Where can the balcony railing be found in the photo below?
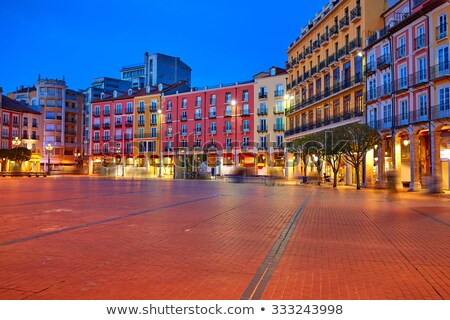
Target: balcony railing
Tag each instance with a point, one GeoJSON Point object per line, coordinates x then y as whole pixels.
{"type": "Point", "coordinates": [332, 59]}
{"type": "Point", "coordinates": [384, 90]}
{"type": "Point", "coordinates": [440, 111]}
{"type": "Point", "coordinates": [370, 68]}
{"type": "Point", "coordinates": [401, 84]}
{"type": "Point", "coordinates": [277, 110]}
{"type": "Point", "coordinates": [262, 111]}
{"type": "Point", "coordinates": [419, 42]}
{"type": "Point", "coordinates": [324, 38]}
{"type": "Point", "coordinates": [344, 23]}
{"type": "Point", "coordinates": [278, 127]}
{"type": "Point", "coordinates": [401, 52]}
{"type": "Point", "coordinates": [278, 93]}
{"type": "Point", "coordinates": [355, 44]}
{"type": "Point", "coordinates": [419, 77]}
{"type": "Point", "coordinates": [106, 125]}
{"type": "Point", "coordinates": [96, 126]}
{"type": "Point", "coordinates": [262, 95]}
{"type": "Point", "coordinates": [308, 51]}
{"type": "Point", "coordinates": [129, 123]}
{"type": "Point", "coordinates": [384, 61]}
{"type": "Point", "coordinates": [106, 138]}
{"type": "Point", "coordinates": [198, 117]}
{"type": "Point", "coordinates": [316, 45]}
{"type": "Point", "coordinates": [343, 52]}
{"type": "Point", "coordinates": [355, 14]}
{"type": "Point", "coordinates": [440, 70]}
{"type": "Point", "coordinates": [327, 121]}
{"type": "Point", "coordinates": [261, 129]}
{"type": "Point", "coordinates": [441, 32]}
{"type": "Point", "coordinates": [334, 31]}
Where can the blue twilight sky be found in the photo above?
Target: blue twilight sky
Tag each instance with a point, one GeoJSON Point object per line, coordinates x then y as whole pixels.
{"type": "Point", "coordinates": [222, 41]}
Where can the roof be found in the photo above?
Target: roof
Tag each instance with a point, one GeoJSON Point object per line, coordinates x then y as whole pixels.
{"type": "Point", "coordinates": [13, 105]}
{"type": "Point", "coordinates": [25, 89]}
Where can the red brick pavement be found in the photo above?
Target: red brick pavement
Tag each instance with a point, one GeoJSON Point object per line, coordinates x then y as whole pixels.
{"type": "Point", "coordinates": [81, 238]}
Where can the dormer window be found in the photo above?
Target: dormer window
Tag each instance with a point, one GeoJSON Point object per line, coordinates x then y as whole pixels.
{"type": "Point", "coordinates": [102, 95]}
{"type": "Point", "coordinates": [160, 87]}
{"type": "Point", "coordinates": [272, 71]}
{"type": "Point", "coordinates": [115, 94]}
{"type": "Point", "coordinates": [130, 92]}
{"type": "Point", "coordinates": [148, 89]}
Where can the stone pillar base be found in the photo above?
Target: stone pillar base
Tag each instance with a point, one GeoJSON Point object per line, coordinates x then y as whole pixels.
{"type": "Point", "coordinates": [416, 186]}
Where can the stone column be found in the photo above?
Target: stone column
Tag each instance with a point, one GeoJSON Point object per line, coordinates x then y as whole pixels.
{"type": "Point", "coordinates": [414, 185]}
{"type": "Point", "coordinates": [435, 146]}
{"type": "Point", "coordinates": [381, 161]}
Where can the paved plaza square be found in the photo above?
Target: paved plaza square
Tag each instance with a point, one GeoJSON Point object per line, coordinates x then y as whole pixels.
{"type": "Point", "coordinates": [92, 238]}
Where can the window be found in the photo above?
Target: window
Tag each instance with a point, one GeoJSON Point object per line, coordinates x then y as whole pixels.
{"type": "Point", "coordinates": [420, 39]}
{"type": "Point", "coordinates": [228, 127]}
{"type": "Point", "coordinates": [372, 94]}
{"type": "Point", "coordinates": [245, 95]}
{"type": "Point", "coordinates": [184, 103]}
{"type": "Point", "coordinates": [246, 125]}
{"type": "Point", "coordinates": [212, 112]}
{"type": "Point", "coordinates": [387, 83]}
{"type": "Point", "coordinates": [141, 106]}
{"type": "Point", "coordinates": [228, 143]}
{"type": "Point", "coordinates": [262, 142]}
{"type": "Point", "coordinates": [262, 92]}
{"type": "Point", "coordinates": [153, 105]}
{"type": "Point", "coordinates": [279, 91]}
{"type": "Point", "coordinates": [441, 30]}
{"type": "Point", "coordinates": [97, 111]}
{"type": "Point", "coordinates": [262, 125]}
{"type": "Point", "coordinates": [169, 131]}
{"type": "Point", "coordinates": [198, 143]}
{"type": "Point", "coordinates": [184, 143]}
{"type": "Point", "coordinates": [212, 128]}
{"type": "Point", "coordinates": [245, 142]}
{"type": "Point", "coordinates": [227, 97]}
{"type": "Point", "coordinates": [387, 113]}
{"type": "Point", "coordinates": [169, 117]}
{"type": "Point", "coordinates": [402, 82]}
{"type": "Point", "coordinates": [184, 130]}
{"type": "Point", "coordinates": [228, 111]}
{"type": "Point", "coordinates": [401, 50]}
{"type": "Point", "coordinates": [119, 108]}
{"type": "Point", "coordinates": [154, 119]}
{"type": "Point", "coordinates": [245, 110]}
{"type": "Point", "coordinates": [198, 101]}
{"type": "Point", "coordinates": [169, 105]}
{"type": "Point", "coordinates": [279, 142]}
{"type": "Point", "coordinates": [423, 105]}
{"type": "Point", "coordinates": [443, 67]}
{"type": "Point", "coordinates": [184, 116]}
{"type": "Point", "coordinates": [198, 114]}
{"type": "Point", "coordinates": [212, 99]}
{"type": "Point", "coordinates": [49, 115]}
{"type": "Point", "coordinates": [279, 126]}
{"type": "Point", "coordinates": [198, 128]}
{"type": "Point", "coordinates": [106, 110]}
{"type": "Point", "coordinates": [404, 110]}
{"type": "Point", "coordinates": [141, 120]}
{"type": "Point", "coordinates": [129, 107]}
{"type": "Point", "coordinates": [444, 99]}
{"type": "Point", "coordinates": [279, 107]}
{"type": "Point", "coordinates": [422, 66]}
{"type": "Point", "coordinates": [154, 132]}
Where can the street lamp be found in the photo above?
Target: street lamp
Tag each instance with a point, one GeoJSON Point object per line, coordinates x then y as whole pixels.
{"type": "Point", "coordinates": [77, 156]}
{"type": "Point", "coordinates": [16, 142]}
{"type": "Point", "coordinates": [49, 148]}
{"type": "Point", "coordinates": [160, 142]}
{"type": "Point", "coordinates": [233, 103]}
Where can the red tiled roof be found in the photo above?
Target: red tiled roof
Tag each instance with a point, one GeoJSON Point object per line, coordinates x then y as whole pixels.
{"type": "Point", "coordinates": [33, 88]}
{"type": "Point", "coordinates": [13, 105]}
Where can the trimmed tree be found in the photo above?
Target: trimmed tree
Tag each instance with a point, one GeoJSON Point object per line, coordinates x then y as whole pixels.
{"type": "Point", "coordinates": [334, 154]}
{"type": "Point", "coordinates": [20, 155]}
{"type": "Point", "coordinates": [360, 139]}
{"type": "Point", "coordinates": [4, 156]}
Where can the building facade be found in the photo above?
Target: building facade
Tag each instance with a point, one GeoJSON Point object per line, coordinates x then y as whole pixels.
{"type": "Point", "coordinates": [325, 72]}
{"type": "Point", "coordinates": [19, 127]}
{"type": "Point", "coordinates": [61, 122]}
{"type": "Point", "coordinates": [408, 92]}
{"type": "Point", "coordinates": [270, 104]}
{"type": "Point", "coordinates": [210, 131]}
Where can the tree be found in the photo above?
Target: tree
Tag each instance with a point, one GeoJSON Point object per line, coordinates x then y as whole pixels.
{"type": "Point", "coordinates": [20, 155]}
{"type": "Point", "coordinates": [360, 139]}
{"type": "Point", "coordinates": [296, 147]}
{"type": "Point", "coordinates": [4, 156]}
{"type": "Point", "coordinates": [334, 145]}
{"type": "Point", "coordinates": [315, 149]}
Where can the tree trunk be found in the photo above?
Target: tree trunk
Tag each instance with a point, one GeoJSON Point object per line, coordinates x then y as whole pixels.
{"type": "Point", "coordinates": [358, 185]}
{"type": "Point", "coordinates": [335, 173]}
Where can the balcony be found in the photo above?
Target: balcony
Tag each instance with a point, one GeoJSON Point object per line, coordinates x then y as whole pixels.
{"type": "Point", "coordinates": [344, 23]}
{"type": "Point", "coordinates": [262, 112]}
{"type": "Point", "coordinates": [316, 45]}
{"type": "Point", "coordinates": [227, 130]}
{"type": "Point", "coordinates": [277, 110]}
{"type": "Point", "coordinates": [301, 57]}
{"type": "Point", "coordinates": [118, 124]}
{"type": "Point", "coordinates": [384, 90]}
{"type": "Point", "coordinates": [96, 114]}
{"type": "Point", "coordinates": [313, 71]}
{"type": "Point", "coordinates": [371, 94]}
{"type": "Point", "coordinates": [106, 113]}
{"type": "Point", "coordinates": [355, 45]}
{"type": "Point", "coordinates": [245, 113]}
{"type": "Point", "coordinates": [418, 115]}
{"type": "Point", "coordinates": [106, 138]}
{"type": "Point", "coordinates": [129, 124]}
{"type": "Point", "coordinates": [401, 52]}
{"type": "Point", "coordinates": [401, 84]}
{"type": "Point", "coordinates": [278, 127]}
{"type": "Point", "coordinates": [96, 126]}
{"type": "Point", "coordinates": [141, 110]}
{"type": "Point", "coordinates": [261, 129]}
{"type": "Point", "coordinates": [384, 61]}
{"type": "Point", "coordinates": [324, 38]}
{"type": "Point", "coordinates": [355, 14]}
{"type": "Point", "coordinates": [288, 65]}
{"type": "Point", "coordinates": [440, 70]}
{"type": "Point", "coordinates": [128, 136]}
{"type": "Point", "coordinates": [440, 111]}
{"type": "Point", "coordinates": [401, 120]}
{"type": "Point", "coordinates": [262, 95]}
{"type": "Point", "coordinates": [306, 75]}
{"type": "Point", "coordinates": [106, 125]}
{"type": "Point", "coordinates": [334, 31]}
{"type": "Point", "coordinates": [198, 117]}
{"type": "Point", "coordinates": [419, 42]}
{"type": "Point", "coordinates": [96, 139]}
{"type": "Point", "coordinates": [323, 65]}
{"type": "Point", "coordinates": [278, 93]}
{"type": "Point", "coordinates": [212, 131]}
{"type": "Point", "coordinates": [332, 60]}
{"type": "Point", "coordinates": [183, 118]}
{"type": "Point", "coordinates": [343, 53]}
{"type": "Point", "coordinates": [198, 132]}
{"type": "Point", "coordinates": [418, 78]}
{"type": "Point", "coordinates": [441, 32]}
{"type": "Point", "coordinates": [212, 115]}
{"type": "Point", "coordinates": [370, 68]}
{"type": "Point", "coordinates": [308, 52]}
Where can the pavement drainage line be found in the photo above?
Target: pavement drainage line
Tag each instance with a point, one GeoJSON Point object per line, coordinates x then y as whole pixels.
{"type": "Point", "coordinates": [380, 230]}
{"type": "Point", "coordinates": [90, 224]}
{"type": "Point", "coordinates": [430, 217]}
{"type": "Point", "coordinates": [262, 277]}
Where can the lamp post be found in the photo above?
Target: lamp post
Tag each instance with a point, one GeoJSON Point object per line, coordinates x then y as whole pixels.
{"type": "Point", "coordinates": [233, 104]}
{"type": "Point", "coordinates": [77, 156]}
{"type": "Point", "coordinates": [16, 142]}
{"type": "Point", "coordinates": [160, 143]}
{"type": "Point", "coordinates": [49, 148]}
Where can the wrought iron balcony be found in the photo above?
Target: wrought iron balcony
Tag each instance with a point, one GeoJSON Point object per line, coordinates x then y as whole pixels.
{"type": "Point", "coordinates": [441, 32]}
{"type": "Point", "coordinates": [440, 111]}
{"type": "Point", "coordinates": [324, 38]}
{"type": "Point", "coordinates": [334, 31]}
{"type": "Point", "coordinates": [262, 111]}
{"type": "Point", "coordinates": [419, 42]}
{"type": "Point", "coordinates": [355, 14]}
{"type": "Point", "coordinates": [401, 84]}
{"type": "Point", "coordinates": [384, 61]}
{"type": "Point", "coordinates": [419, 77]}
{"type": "Point", "coordinates": [401, 52]}
{"type": "Point", "coordinates": [344, 23]}
{"type": "Point", "coordinates": [370, 68]}
{"type": "Point", "coordinates": [440, 70]}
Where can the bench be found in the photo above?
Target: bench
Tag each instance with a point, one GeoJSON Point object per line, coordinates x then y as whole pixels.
{"type": "Point", "coordinates": [22, 174]}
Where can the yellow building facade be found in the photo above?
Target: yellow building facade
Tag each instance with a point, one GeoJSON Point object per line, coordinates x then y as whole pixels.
{"type": "Point", "coordinates": [326, 84]}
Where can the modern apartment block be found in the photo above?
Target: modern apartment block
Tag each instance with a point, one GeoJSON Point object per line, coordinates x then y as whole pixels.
{"type": "Point", "coordinates": [270, 103]}
{"type": "Point", "coordinates": [157, 68]}
{"type": "Point", "coordinates": [408, 92]}
{"type": "Point", "coordinates": [61, 121]}
{"type": "Point", "coordinates": [210, 130]}
{"type": "Point", "coordinates": [19, 128]}
{"type": "Point", "coordinates": [325, 71]}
